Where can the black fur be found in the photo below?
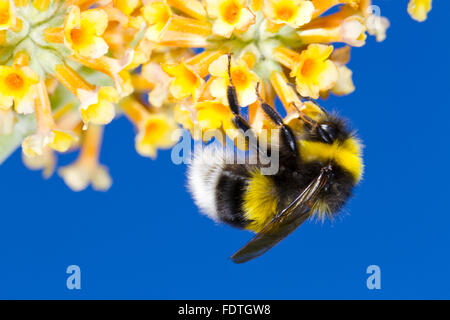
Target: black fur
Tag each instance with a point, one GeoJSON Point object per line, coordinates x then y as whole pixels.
{"type": "Point", "coordinates": [230, 191]}
{"type": "Point", "coordinates": [294, 175]}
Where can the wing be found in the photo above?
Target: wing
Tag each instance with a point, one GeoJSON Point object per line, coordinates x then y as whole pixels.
{"type": "Point", "coordinates": [285, 222]}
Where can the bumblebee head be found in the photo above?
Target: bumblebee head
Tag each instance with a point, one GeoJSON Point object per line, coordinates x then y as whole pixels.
{"type": "Point", "coordinates": [328, 140]}
{"type": "Point", "coordinates": [328, 129]}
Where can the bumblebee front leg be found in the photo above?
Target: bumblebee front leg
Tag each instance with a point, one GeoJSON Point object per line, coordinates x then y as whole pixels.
{"type": "Point", "coordinates": [238, 120]}
{"type": "Point", "coordinates": [233, 103]}
{"type": "Point", "coordinates": [287, 136]}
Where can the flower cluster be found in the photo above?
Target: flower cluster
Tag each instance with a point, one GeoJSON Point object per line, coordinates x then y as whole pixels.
{"type": "Point", "coordinates": [67, 68]}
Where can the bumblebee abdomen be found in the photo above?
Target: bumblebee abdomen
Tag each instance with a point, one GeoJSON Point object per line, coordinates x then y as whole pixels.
{"type": "Point", "coordinates": [260, 201]}
{"type": "Point", "coordinates": [235, 194]}
{"type": "Point", "coordinates": [218, 187]}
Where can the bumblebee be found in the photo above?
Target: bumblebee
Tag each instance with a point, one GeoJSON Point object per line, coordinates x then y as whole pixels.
{"type": "Point", "coordinates": [319, 166]}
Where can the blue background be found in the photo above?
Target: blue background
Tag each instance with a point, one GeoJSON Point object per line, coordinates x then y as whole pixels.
{"type": "Point", "coordinates": [145, 239]}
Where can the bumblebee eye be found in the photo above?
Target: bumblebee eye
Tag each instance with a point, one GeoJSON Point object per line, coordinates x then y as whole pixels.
{"type": "Point", "coordinates": [327, 132]}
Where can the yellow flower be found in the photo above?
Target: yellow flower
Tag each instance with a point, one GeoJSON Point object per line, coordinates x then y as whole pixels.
{"type": "Point", "coordinates": [294, 13]}
{"type": "Point", "coordinates": [97, 107]}
{"type": "Point", "coordinates": [58, 140]}
{"type": "Point", "coordinates": [285, 92]}
{"type": "Point", "coordinates": [46, 161]}
{"type": "Point", "coordinates": [79, 176]}
{"type": "Point", "coordinates": [157, 14]}
{"type": "Point", "coordinates": [7, 14]}
{"type": "Point", "coordinates": [47, 135]}
{"type": "Point", "coordinates": [418, 9]}
{"type": "Point", "coordinates": [214, 119]}
{"type": "Point", "coordinates": [126, 6]}
{"type": "Point", "coordinates": [86, 169]}
{"type": "Point", "coordinates": [343, 26]}
{"type": "Point", "coordinates": [377, 26]}
{"type": "Point", "coordinates": [312, 69]}
{"type": "Point", "coordinates": [188, 74]}
{"type": "Point", "coordinates": [17, 86]}
{"type": "Point", "coordinates": [344, 84]}
{"type": "Point", "coordinates": [96, 104]}
{"type": "Point", "coordinates": [158, 81]}
{"type": "Point", "coordinates": [183, 114]}
{"type": "Point", "coordinates": [243, 79]}
{"type": "Point", "coordinates": [155, 130]}
{"type": "Point", "coordinates": [83, 31]}
{"type": "Point", "coordinates": [322, 6]}
{"type": "Point", "coordinates": [229, 15]}
{"type": "Point", "coordinates": [186, 81]}
{"type": "Point", "coordinates": [116, 69]}
{"type": "Point", "coordinates": [213, 115]}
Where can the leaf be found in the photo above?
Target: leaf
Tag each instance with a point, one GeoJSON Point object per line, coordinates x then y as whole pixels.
{"type": "Point", "coordinates": [25, 126]}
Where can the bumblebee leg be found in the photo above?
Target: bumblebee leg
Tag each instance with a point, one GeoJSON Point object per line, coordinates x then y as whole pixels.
{"type": "Point", "coordinates": [238, 121]}
{"type": "Point", "coordinates": [309, 99]}
{"type": "Point", "coordinates": [287, 135]}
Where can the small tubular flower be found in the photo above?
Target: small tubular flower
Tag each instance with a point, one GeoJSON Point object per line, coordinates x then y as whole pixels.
{"type": "Point", "coordinates": [83, 31]}
{"type": "Point", "coordinates": [17, 87]}
{"type": "Point", "coordinates": [344, 84]}
{"type": "Point", "coordinates": [45, 162]}
{"type": "Point", "coordinates": [321, 6]}
{"type": "Point", "coordinates": [229, 16]}
{"type": "Point", "coordinates": [155, 130]}
{"type": "Point", "coordinates": [156, 80]}
{"type": "Point", "coordinates": [86, 170]}
{"type": "Point", "coordinates": [294, 13]}
{"type": "Point", "coordinates": [97, 107]}
{"type": "Point", "coordinates": [7, 14]}
{"type": "Point", "coordinates": [186, 81]}
{"type": "Point", "coordinates": [188, 75]}
{"type": "Point", "coordinates": [242, 77]}
{"type": "Point", "coordinates": [48, 134]}
{"type": "Point", "coordinates": [126, 6]}
{"type": "Point", "coordinates": [345, 26]}
{"type": "Point", "coordinates": [214, 115]}
{"type": "Point", "coordinates": [419, 9]}
{"type": "Point", "coordinates": [157, 14]}
{"type": "Point", "coordinates": [312, 69]}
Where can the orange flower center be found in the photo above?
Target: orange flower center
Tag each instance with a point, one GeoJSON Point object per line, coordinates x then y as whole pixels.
{"type": "Point", "coordinates": [231, 12]}
{"type": "Point", "coordinates": [240, 78]}
{"type": "Point", "coordinates": [154, 130]}
{"type": "Point", "coordinates": [285, 12]}
{"type": "Point", "coordinates": [190, 77]}
{"type": "Point", "coordinates": [309, 68]}
{"type": "Point", "coordinates": [77, 35]}
{"type": "Point", "coordinates": [14, 81]}
{"type": "Point", "coordinates": [4, 17]}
